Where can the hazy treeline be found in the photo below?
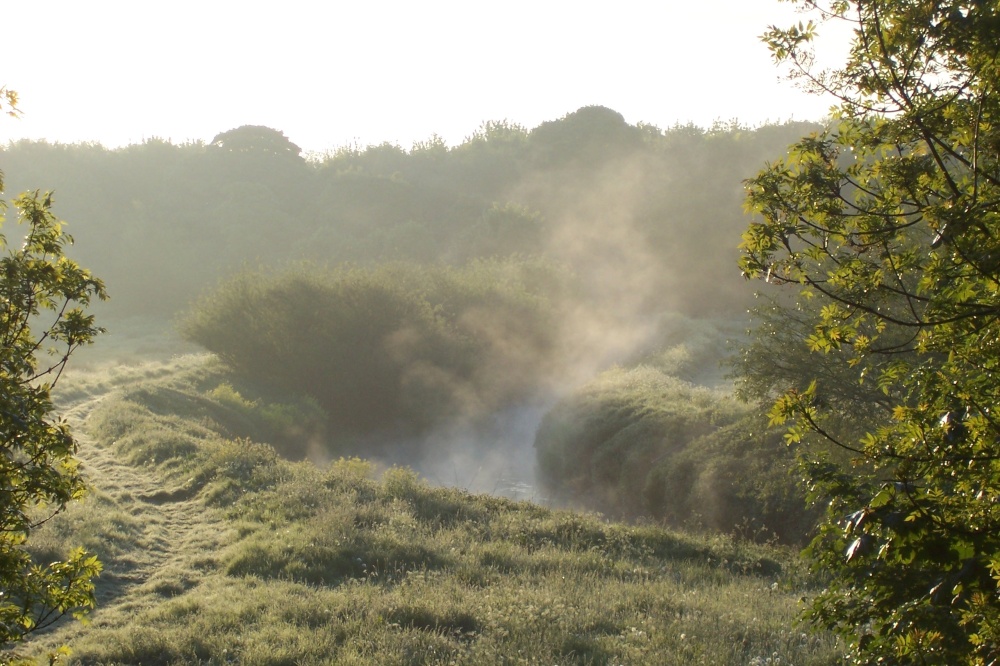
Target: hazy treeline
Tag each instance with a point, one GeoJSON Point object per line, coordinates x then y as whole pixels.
{"type": "Point", "coordinates": [649, 218]}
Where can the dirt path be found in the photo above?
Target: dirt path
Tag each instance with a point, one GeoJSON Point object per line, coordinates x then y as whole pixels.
{"type": "Point", "coordinates": [158, 542]}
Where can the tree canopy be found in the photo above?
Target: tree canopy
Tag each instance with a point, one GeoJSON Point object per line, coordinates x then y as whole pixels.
{"type": "Point", "coordinates": [256, 139]}
{"type": "Point", "coordinates": [888, 224]}
{"type": "Point", "coordinates": [39, 286]}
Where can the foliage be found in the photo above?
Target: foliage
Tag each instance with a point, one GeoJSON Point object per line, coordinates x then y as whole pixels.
{"type": "Point", "coordinates": [256, 139]}
{"type": "Point", "coordinates": [392, 350]}
{"type": "Point", "coordinates": [773, 360]}
{"type": "Point", "coordinates": [601, 443]}
{"type": "Point", "coordinates": [592, 133]}
{"type": "Point", "coordinates": [640, 442]}
{"type": "Point", "coordinates": [8, 99]}
{"type": "Point", "coordinates": [889, 220]}
{"type": "Point", "coordinates": [651, 207]}
{"type": "Point", "coordinates": [39, 287]}
{"type": "Point", "coordinates": [739, 479]}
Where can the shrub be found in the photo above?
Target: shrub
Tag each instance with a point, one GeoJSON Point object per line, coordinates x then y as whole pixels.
{"type": "Point", "coordinates": [396, 349]}
{"type": "Point", "coordinates": [638, 442]}
{"type": "Point", "coordinates": [740, 478]}
{"type": "Point", "coordinates": [598, 445]}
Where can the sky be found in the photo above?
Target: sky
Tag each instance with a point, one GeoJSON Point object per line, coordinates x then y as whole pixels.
{"type": "Point", "coordinates": [330, 73]}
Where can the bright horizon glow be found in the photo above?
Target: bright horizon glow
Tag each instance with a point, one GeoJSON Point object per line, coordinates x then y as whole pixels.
{"type": "Point", "coordinates": [335, 74]}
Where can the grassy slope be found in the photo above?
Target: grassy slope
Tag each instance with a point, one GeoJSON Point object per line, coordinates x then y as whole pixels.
{"type": "Point", "coordinates": [217, 551]}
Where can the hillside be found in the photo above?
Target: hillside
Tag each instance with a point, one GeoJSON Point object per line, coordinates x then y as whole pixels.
{"type": "Point", "coordinates": [217, 550]}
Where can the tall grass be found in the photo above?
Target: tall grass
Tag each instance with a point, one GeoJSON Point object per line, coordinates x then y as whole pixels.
{"type": "Point", "coordinates": [600, 443]}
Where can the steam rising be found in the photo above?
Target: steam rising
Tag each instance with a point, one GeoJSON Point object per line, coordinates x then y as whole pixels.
{"type": "Point", "coordinates": [618, 312]}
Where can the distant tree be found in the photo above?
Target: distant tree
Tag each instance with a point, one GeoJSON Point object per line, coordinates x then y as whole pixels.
{"type": "Point", "coordinates": [889, 220]}
{"type": "Point", "coordinates": [39, 475]}
{"type": "Point", "coordinates": [498, 131]}
{"type": "Point", "coordinates": [433, 148]}
{"type": "Point", "coordinates": [503, 230]}
{"type": "Point", "coordinates": [591, 133]}
{"type": "Point", "coordinates": [256, 139]}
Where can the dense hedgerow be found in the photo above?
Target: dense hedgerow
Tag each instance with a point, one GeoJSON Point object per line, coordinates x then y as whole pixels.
{"type": "Point", "coordinates": [601, 442]}
{"type": "Point", "coordinates": [741, 478]}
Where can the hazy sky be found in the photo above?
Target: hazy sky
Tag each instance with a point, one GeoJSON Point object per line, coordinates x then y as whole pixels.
{"type": "Point", "coordinates": [330, 73]}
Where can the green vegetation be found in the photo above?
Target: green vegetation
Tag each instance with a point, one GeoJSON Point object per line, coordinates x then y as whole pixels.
{"type": "Point", "coordinates": [218, 550]}
{"type": "Point", "coordinates": [641, 442]}
{"type": "Point", "coordinates": [578, 276]}
{"type": "Point", "coordinates": [412, 299]}
{"type": "Point", "coordinates": [392, 351]}
{"type": "Point", "coordinates": [428, 306]}
{"type": "Point", "coordinates": [605, 439]}
{"type": "Point", "coordinates": [887, 221]}
{"type": "Point", "coordinates": [42, 293]}
{"type": "Point", "coordinates": [648, 214]}
{"type": "Point", "coordinates": [450, 286]}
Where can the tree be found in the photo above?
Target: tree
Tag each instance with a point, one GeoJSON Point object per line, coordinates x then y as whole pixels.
{"type": "Point", "coordinates": [589, 134]}
{"type": "Point", "coordinates": [39, 286]}
{"type": "Point", "coordinates": [256, 140]}
{"type": "Point", "coordinates": [889, 220]}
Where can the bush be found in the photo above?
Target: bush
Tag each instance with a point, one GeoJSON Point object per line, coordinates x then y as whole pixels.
{"type": "Point", "coordinates": [393, 350]}
{"type": "Point", "coordinates": [740, 478]}
{"type": "Point", "coordinates": [641, 443]}
{"type": "Point", "coordinates": [599, 445]}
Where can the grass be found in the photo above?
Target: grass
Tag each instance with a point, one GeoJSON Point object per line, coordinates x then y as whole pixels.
{"type": "Point", "coordinates": [217, 551]}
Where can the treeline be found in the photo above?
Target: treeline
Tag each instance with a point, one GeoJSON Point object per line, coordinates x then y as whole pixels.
{"type": "Point", "coordinates": [658, 211]}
